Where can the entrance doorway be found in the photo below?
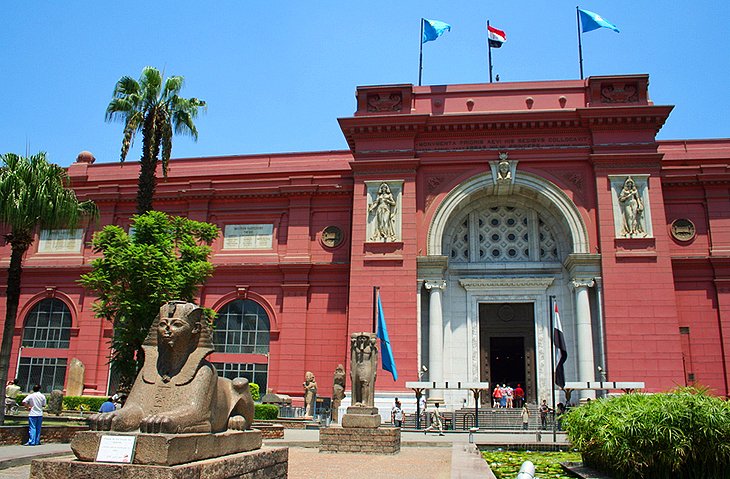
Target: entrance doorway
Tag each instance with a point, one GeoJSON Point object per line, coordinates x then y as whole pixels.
{"type": "Point", "coordinates": [507, 360]}
{"type": "Point", "coordinates": [507, 346]}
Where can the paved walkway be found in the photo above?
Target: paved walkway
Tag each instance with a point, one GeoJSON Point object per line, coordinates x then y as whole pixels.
{"type": "Point", "coordinates": [433, 456]}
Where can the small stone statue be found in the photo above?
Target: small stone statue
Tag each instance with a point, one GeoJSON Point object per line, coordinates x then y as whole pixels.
{"type": "Point", "coordinates": [310, 393]}
{"type": "Point", "coordinates": [178, 390]}
{"type": "Point", "coordinates": [364, 359]}
{"type": "Point", "coordinates": [55, 402]}
{"type": "Point", "coordinates": [338, 391]}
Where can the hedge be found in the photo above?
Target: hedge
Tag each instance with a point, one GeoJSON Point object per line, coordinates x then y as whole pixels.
{"type": "Point", "coordinates": [683, 434]}
{"type": "Point", "coordinates": [266, 411]}
{"type": "Point", "coordinates": [86, 403]}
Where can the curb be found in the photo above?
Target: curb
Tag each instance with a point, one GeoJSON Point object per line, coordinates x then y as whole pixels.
{"type": "Point", "coordinates": [25, 460]}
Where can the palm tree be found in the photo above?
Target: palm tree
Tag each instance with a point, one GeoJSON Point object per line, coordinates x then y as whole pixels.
{"type": "Point", "coordinates": [33, 194]}
{"type": "Point", "coordinates": [155, 110]}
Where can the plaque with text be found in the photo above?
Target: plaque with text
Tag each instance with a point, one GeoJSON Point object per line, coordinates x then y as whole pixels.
{"type": "Point", "coordinates": [248, 236]}
{"type": "Point", "coordinates": [116, 449]}
{"type": "Point", "coordinates": [61, 241]}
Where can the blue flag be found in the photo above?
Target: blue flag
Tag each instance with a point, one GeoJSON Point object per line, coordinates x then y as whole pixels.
{"type": "Point", "coordinates": [593, 21]}
{"type": "Point", "coordinates": [432, 29]}
{"type": "Point", "coordinates": [385, 349]}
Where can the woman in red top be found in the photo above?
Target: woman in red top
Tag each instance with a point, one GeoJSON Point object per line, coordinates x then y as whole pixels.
{"type": "Point", "coordinates": [497, 395]}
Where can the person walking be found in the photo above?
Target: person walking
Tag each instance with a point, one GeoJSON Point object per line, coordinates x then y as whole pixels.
{"type": "Point", "coordinates": [35, 402]}
{"type": "Point", "coordinates": [436, 421]}
{"type": "Point", "coordinates": [525, 417]}
{"type": "Point", "coordinates": [396, 414]}
{"type": "Point", "coordinates": [544, 410]}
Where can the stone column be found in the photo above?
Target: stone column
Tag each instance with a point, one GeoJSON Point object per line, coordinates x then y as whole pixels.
{"type": "Point", "coordinates": [584, 332]}
{"type": "Point", "coordinates": [435, 330]}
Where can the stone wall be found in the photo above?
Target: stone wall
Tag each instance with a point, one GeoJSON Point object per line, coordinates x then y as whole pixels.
{"type": "Point", "coordinates": [384, 440]}
{"type": "Point", "coordinates": [13, 435]}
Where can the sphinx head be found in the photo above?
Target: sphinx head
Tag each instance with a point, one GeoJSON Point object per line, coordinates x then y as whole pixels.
{"type": "Point", "coordinates": [179, 326]}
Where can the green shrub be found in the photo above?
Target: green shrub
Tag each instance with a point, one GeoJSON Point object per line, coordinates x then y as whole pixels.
{"type": "Point", "coordinates": [255, 391]}
{"type": "Point", "coordinates": [682, 434]}
{"type": "Point", "coordinates": [266, 411]}
{"type": "Point", "coordinates": [83, 403]}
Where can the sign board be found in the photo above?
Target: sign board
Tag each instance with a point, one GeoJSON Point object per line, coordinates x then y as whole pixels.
{"type": "Point", "coordinates": [61, 241]}
{"type": "Point", "coordinates": [248, 236]}
{"type": "Point", "coordinates": [116, 449]}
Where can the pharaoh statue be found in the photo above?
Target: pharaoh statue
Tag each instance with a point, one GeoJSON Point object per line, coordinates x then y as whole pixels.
{"type": "Point", "coordinates": [310, 393]}
{"type": "Point", "coordinates": [364, 364]}
{"type": "Point", "coordinates": [178, 390]}
{"type": "Point", "coordinates": [338, 391]}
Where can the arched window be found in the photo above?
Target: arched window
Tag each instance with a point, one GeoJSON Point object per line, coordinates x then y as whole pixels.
{"type": "Point", "coordinates": [242, 326]}
{"type": "Point", "coordinates": [48, 325]}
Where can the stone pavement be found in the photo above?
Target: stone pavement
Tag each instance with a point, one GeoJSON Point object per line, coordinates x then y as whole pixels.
{"type": "Point", "coordinates": [422, 456]}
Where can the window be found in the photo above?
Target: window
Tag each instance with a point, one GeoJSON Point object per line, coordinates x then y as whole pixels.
{"type": "Point", "coordinates": [242, 326]}
{"type": "Point", "coordinates": [61, 241]}
{"type": "Point", "coordinates": [50, 373]}
{"type": "Point", "coordinates": [255, 373]}
{"type": "Point", "coordinates": [48, 325]}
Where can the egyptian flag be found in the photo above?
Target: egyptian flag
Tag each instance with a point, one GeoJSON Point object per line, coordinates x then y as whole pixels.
{"type": "Point", "coordinates": [561, 352]}
{"type": "Point", "coordinates": [496, 36]}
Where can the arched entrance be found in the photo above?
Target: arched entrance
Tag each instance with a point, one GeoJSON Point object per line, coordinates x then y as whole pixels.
{"type": "Point", "coordinates": [497, 253]}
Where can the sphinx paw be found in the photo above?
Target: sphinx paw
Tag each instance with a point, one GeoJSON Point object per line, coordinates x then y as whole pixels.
{"type": "Point", "coordinates": [237, 423]}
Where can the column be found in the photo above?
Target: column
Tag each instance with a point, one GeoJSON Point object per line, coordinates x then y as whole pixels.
{"type": "Point", "coordinates": [584, 332]}
{"type": "Point", "coordinates": [435, 330]}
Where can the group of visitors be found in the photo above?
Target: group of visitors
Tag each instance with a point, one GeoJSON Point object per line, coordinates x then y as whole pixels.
{"type": "Point", "coordinates": [505, 396]}
{"type": "Point", "coordinates": [397, 415]}
{"type": "Point", "coordinates": [113, 403]}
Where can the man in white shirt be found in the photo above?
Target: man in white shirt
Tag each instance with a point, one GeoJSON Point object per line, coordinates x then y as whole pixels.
{"type": "Point", "coordinates": [35, 402]}
{"type": "Point", "coordinates": [396, 414]}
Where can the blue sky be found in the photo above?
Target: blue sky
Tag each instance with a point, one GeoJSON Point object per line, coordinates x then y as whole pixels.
{"type": "Point", "coordinates": [277, 75]}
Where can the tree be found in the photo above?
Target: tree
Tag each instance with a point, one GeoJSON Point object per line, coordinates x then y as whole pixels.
{"type": "Point", "coordinates": [155, 110]}
{"type": "Point", "coordinates": [165, 258]}
{"type": "Point", "coordinates": [33, 194]}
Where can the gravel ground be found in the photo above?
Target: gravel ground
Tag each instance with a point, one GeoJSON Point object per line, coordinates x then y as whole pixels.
{"type": "Point", "coordinates": [309, 463]}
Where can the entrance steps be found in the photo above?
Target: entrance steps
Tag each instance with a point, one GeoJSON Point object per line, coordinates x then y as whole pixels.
{"type": "Point", "coordinates": [489, 418]}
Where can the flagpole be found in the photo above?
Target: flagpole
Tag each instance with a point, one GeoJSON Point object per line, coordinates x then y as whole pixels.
{"type": "Point", "coordinates": [376, 291]}
{"type": "Point", "coordinates": [580, 44]}
{"type": "Point", "coordinates": [420, 55]}
{"type": "Point", "coordinates": [552, 359]}
{"type": "Point", "coordinates": [489, 49]}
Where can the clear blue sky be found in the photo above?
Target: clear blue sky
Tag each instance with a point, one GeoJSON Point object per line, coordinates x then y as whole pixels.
{"type": "Point", "coordinates": [277, 75]}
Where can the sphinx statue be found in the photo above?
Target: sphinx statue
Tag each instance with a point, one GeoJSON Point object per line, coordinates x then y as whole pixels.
{"type": "Point", "coordinates": [178, 390]}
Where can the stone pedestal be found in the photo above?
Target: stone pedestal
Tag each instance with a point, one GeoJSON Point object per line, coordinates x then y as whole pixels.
{"type": "Point", "coordinates": [361, 417]}
{"type": "Point", "coordinates": [264, 463]}
{"type": "Point", "coordinates": [382, 440]}
{"type": "Point", "coordinates": [171, 449]}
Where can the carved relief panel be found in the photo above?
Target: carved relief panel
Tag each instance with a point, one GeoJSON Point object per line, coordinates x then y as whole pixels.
{"type": "Point", "coordinates": [384, 211]}
{"type": "Point", "coordinates": [631, 211]}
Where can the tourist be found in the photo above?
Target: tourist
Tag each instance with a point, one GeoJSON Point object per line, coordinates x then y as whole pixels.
{"type": "Point", "coordinates": [497, 395]}
{"type": "Point", "coordinates": [11, 395]}
{"type": "Point", "coordinates": [503, 396]}
{"type": "Point", "coordinates": [396, 414]}
{"type": "Point", "coordinates": [436, 421]}
{"type": "Point", "coordinates": [108, 405]}
{"type": "Point", "coordinates": [35, 402]}
{"type": "Point", "coordinates": [519, 396]}
{"type": "Point", "coordinates": [422, 408]}
{"type": "Point", "coordinates": [544, 410]}
{"type": "Point", "coordinates": [525, 417]}
{"type": "Point", "coordinates": [510, 395]}
{"type": "Point", "coordinates": [561, 411]}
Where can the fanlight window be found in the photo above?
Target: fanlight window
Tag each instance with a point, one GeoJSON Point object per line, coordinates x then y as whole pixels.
{"type": "Point", "coordinates": [501, 234]}
{"type": "Point", "coordinates": [242, 326]}
{"type": "Point", "coordinates": [48, 325]}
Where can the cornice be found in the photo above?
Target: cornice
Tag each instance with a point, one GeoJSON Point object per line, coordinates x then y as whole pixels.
{"type": "Point", "coordinates": [478, 284]}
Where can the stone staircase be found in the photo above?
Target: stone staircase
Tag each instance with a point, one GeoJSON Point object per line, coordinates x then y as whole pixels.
{"type": "Point", "coordinates": [489, 418]}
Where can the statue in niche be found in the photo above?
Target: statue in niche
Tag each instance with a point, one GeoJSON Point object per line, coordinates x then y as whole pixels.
{"type": "Point", "coordinates": [364, 364]}
{"type": "Point", "coordinates": [338, 391]}
{"type": "Point", "coordinates": [504, 171]}
{"type": "Point", "coordinates": [384, 207]}
{"type": "Point", "coordinates": [632, 210]}
{"type": "Point", "coordinates": [310, 393]}
{"type": "Point", "coordinates": [178, 390]}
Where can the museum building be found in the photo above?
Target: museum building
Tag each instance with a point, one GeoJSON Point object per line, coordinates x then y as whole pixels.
{"type": "Point", "coordinates": [474, 208]}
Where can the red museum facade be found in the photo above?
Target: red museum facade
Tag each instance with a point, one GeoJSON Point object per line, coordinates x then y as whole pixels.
{"type": "Point", "coordinates": [472, 207]}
